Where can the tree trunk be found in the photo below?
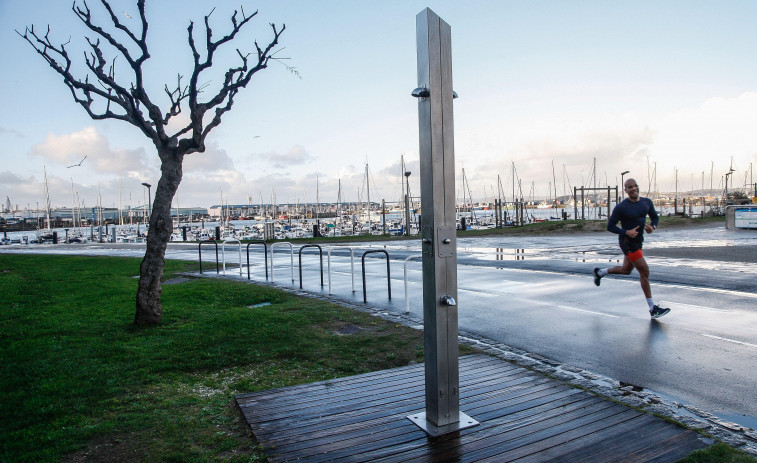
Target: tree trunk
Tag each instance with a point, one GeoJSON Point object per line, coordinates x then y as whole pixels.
{"type": "Point", "coordinates": [149, 308]}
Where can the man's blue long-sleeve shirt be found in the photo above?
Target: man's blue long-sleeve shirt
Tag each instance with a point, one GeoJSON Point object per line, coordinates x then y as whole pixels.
{"type": "Point", "coordinates": [632, 214]}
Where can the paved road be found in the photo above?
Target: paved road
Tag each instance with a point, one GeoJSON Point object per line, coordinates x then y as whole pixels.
{"type": "Point", "coordinates": [537, 294]}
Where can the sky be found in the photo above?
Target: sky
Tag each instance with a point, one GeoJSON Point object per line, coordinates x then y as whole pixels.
{"type": "Point", "coordinates": [547, 91]}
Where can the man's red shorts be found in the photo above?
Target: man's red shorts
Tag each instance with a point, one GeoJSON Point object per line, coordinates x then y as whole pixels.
{"type": "Point", "coordinates": [636, 255]}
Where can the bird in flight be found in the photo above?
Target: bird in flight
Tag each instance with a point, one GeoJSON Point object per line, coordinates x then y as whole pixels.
{"type": "Point", "coordinates": [77, 165]}
{"type": "Point", "coordinates": [128, 16]}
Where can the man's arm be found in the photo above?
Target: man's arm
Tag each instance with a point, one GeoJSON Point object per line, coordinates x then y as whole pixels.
{"type": "Point", "coordinates": [655, 218]}
{"type": "Point", "coordinates": [653, 214]}
{"type": "Point", "coordinates": [612, 222]}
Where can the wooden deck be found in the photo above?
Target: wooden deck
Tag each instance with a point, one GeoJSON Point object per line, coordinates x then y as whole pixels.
{"type": "Point", "coordinates": [523, 417]}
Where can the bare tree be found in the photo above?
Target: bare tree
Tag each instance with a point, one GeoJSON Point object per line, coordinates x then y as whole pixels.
{"type": "Point", "coordinates": [100, 91]}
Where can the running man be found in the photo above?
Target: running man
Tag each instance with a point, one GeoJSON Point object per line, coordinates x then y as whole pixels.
{"type": "Point", "coordinates": [632, 214]}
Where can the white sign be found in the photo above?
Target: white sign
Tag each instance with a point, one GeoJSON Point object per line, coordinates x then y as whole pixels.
{"type": "Point", "coordinates": [745, 217]}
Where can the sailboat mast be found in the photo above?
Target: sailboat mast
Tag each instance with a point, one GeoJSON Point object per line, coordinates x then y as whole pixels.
{"type": "Point", "coordinates": [499, 190]}
{"type": "Point", "coordinates": [47, 198]}
{"type": "Point", "coordinates": [120, 204]}
{"type": "Point", "coordinates": [368, 193]}
{"type": "Point", "coordinates": [100, 216]}
{"type": "Point", "coordinates": [73, 207]}
{"type": "Point", "coordinates": [554, 182]}
{"type": "Point", "coordinates": [514, 200]}
{"type": "Point", "coordinates": [339, 202]}
{"type": "Point", "coordinates": [221, 216]}
{"type": "Point", "coordinates": [464, 203]}
{"type": "Point", "coordinates": [402, 173]}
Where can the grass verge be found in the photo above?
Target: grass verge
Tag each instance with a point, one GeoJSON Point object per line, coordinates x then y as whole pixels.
{"type": "Point", "coordinates": [81, 383]}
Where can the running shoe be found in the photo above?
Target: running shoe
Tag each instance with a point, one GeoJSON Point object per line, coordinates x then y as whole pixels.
{"type": "Point", "coordinates": [658, 311]}
{"type": "Point", "coordinates": [596, 276]}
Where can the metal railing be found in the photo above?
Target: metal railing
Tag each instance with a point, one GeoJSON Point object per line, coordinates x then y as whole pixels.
{"type": "Point", "coordinates": [320, 253]}
{"type": "Point", "coordinates": [199, 250]}
{"type": "Point", "coordinates": [388, 275]}
{"type": "Point", "coordinates": [352, 265]}
{"type": "Point", "coordinates": [265, 256]}
{"type": "Point", "coordinates": [223, 253]}
{"type": "Point", "coordinates": [291, 248]}
{"type": "Point", "coordinates": [407, 297]}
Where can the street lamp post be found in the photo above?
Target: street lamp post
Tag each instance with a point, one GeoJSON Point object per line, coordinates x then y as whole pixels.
{"type": "Point", "coordinates": [623, 184]}
{"type": "Point", "coordinates": [728, 174]}
{"type": "Point", "coordinates": [149, 200]}
{"type": "Point", "coordinates": [407, 205]}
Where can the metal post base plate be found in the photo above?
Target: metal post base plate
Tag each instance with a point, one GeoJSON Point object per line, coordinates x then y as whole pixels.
{"type": "Point", "coordinates": [433, 430]}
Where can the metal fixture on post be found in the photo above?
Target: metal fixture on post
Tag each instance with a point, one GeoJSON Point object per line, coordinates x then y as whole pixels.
{"type": "Point", "coordinates": [442, 414]}
{"type": "Point", "coordinates": [407, 204]}
{"type": "Point", "coordinates": [149, 200]}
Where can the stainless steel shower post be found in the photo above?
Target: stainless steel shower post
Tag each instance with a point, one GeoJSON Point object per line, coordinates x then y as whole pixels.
{"type": "Point", "coordinates": [437, 176]}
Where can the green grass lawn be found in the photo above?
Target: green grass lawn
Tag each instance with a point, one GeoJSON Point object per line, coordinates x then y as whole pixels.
{"type": "Point", "coordinates": [78, 377]}
{"type": "Point", "coordinates": [81, 383]}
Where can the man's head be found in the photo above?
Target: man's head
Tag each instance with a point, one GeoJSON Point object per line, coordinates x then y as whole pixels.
{"type": "Point", "coordinates": [632, 189]}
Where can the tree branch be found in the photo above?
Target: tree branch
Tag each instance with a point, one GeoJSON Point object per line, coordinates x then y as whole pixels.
{"type": "Point", "coordinates": [131, 102]}
{"type": "Point", "coordinates": [235, 79]}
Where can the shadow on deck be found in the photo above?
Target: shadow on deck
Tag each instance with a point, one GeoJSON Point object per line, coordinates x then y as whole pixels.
{"type": "Point", "coordinates": [524, 416]}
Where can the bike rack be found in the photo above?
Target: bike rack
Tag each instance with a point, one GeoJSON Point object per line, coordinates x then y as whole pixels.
{"type": "Point", "coordinates": [291, 249]}
{"type": "Point", "coordinates": [265, 256]}
{"type": "Point", "coordinates": [320, 252]}
{"type": "Point", "coordinates": [407, 298]}
{"type": "Point", "coordinates": [388, 276]}
{"type": "Point", "coordinates": [199, 249]}
{"type": "Point", "coordinates": [223, 253]}
{"type": "Point", "coordinates": [352, 266]}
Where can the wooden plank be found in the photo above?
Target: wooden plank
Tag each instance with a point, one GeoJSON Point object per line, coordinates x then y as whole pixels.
{"type": "Point", "coordinates": [367, 439]}
{"type": "Point", "coordinates": [522, 415]}
{"type": "Point", "coordinates": [607, 442]}
{"type": "Point", "coordinates": [351, 409]}
{"type": "Point", "coordinates": [626, 442]}
{"type": "Point", "coordinates": [326, 392]}
{"type": "Point", "coordinates": [539, 428]}
{"type": "Point", "coordinates": [304, 403]}
{"type": "Point", "coordinates": [423, 441]}
{"type": "Point", "coordinates": [360, 432]}
{"type": "Point", "coordinates": [473, 361]}
{"type": "Point", "coordinates": [562, 434]}
{"type": "Point", "coordinates": [670, 449]}
{"type": "Point", "coordinates": [481, 435]}
{"type": "Point", "coordinates": [379, 416]}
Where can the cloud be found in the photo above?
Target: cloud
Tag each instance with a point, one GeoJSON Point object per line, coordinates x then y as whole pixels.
{"type": "Point", "coordinates": [705, 138]}
{"type": "Point", "coordinates": [708, 137]}
{"type": "Point", "coordinates": [570, 143]}
{"type": "Point", "coordinates": [296, 156]}
{"type": "Point", "coordinates": [19, 188]}
{"type": "Point", "coordinates": [10, 180]}
{"type": "Point", "coordinates": [16, 133]}
{"type": "Point", "coordinates": [69, 149]}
